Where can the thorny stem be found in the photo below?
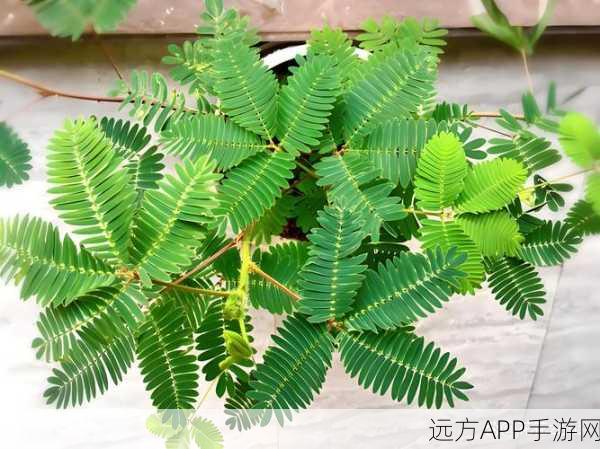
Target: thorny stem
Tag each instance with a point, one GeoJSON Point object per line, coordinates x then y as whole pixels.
{"type": "Point", "coordinates": [187, 288]}
{"type": "Point", "coordinates": [267, 277]}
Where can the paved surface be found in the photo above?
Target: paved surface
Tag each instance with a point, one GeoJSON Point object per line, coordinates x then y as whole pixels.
{"type": "Point", "coordinates": [553, 362]}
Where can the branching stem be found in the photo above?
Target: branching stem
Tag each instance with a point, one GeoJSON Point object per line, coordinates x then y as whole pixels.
{"type": "Point", "coordinates": [209, 260]}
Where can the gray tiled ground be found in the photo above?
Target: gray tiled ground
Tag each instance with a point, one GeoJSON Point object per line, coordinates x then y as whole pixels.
{"type": "Point", "coordinates": [550, 363]}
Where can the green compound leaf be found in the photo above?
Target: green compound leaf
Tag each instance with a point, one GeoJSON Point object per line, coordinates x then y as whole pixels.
{"type": "Point", "coordinates": [580, 139]}
{"type": "Point", "coordinates": [441, 171]}
{"type": "Point", "coordinates": [85, 371]}
{"type": "Point", "coordinates": [220, 139]}
{"type": "Point", "coordinates": [273, 222]}
{"type": "Point", "coordinates": [91, 192]}
{"type": "Point", "coordinates": [170, 372]}
{"type": "Point", "coordinates": [495, 233]}
{"type": "Point", "coordinates": [402, 364]}
{"type": "Point", "coordinates": [399, 86]}
{"type": "Point", "coordinates": [246, 88]}
{"type": "Point", "coordinates": [101, 313]}
{"type": "Point", "coordinates": [206, 434]}
{"type": "Point", "coordinates": [14, 158]}
{"type": "Point", "coordinates": [166, 228]}
{"type": "Point", "coordinates": [409, 287]}
{"type": "Point", "coordinates": [252, 188]}
{"type": "Point", "coordinates": [284, 263]}
{"type": "Point", "coordinates": [517, 286]}
{"type": "Point", "coordinates": [394, 147]}
{"type": "Point", "coordinates": [151, 100]}
{"type": "Point", "coordinates": [408, 33]}
{"type": "Point", "coordinates": [583, 219]}
{"type": "Point", "coordinates": [550, 244]}
{"type": "Point", "coordinates": [332, 275]}
{"type": "Point", "coordinates": [492, 185]}
{"type": "Point", "coordinates": [305, 103]}
{"type": "Point", "coordinates": [70, 18]}
{"type": "Point", "coordinates": [355, 186]}
{"type": "Point", "coordinates": [333, 42]}
{"type": "Point", "coordinates": [534, 152]}
{"type": "Point", "coordinates": [592, 192]}
{"type": "Point", "coordinates": [449, 234]}
{"type": "Point", "coordinates": [293, 370]}
{"type": "Point", "coordinates": [50, 268]}
{"type": "Point", "coordinates": [130, 141]}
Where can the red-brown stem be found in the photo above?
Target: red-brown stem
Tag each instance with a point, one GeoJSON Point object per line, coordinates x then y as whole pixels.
{"type": "Point", "coordinates": [267, 277]}
{"type": "Point", "coordinates": [46, 91]}
{"type": "Point", "coordinates": [206, 262]}
{"type": "Point", "coordinates": [200, 291]}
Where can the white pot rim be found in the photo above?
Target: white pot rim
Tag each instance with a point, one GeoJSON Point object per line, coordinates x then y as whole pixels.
{"type": "Point", "coordinates": [287, 54]}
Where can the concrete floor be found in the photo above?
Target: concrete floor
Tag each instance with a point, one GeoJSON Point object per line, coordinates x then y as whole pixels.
{"type": "Point", "coordinates": [551, 363]}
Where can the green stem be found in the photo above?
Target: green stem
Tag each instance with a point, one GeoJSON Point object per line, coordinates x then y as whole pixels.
{"type": "Point", "coordinates": [243, 283]}
{"type": "Point", "coordinates": [421, 212]}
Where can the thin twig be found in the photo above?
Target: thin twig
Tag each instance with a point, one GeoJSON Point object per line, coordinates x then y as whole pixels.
{"type": "Point", "coordinates": [527, 74]}
{"type": "Point", "coordinates": [494, 130]}
{"type": "Point", "coordinates": [267, 277]}
{"type": "Point", "coordinates": [308, 170]}
{"type": "Point", "coordinates": [108, 55]}
{"type": "Point", "coordinates": [206, 262]}
{"type": "Point", "coordinates": [488, 114]}
{"type": "Point", "coordinates": [205, 396]}
{"type": "Point", "coordinates": [46, 91]}
{"type": "Point", "coordinates": [23, 108]}
{"type": "Point", "coordinates": [200, 291]}
{"type": "Point", "coordinates": [554, 181]}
